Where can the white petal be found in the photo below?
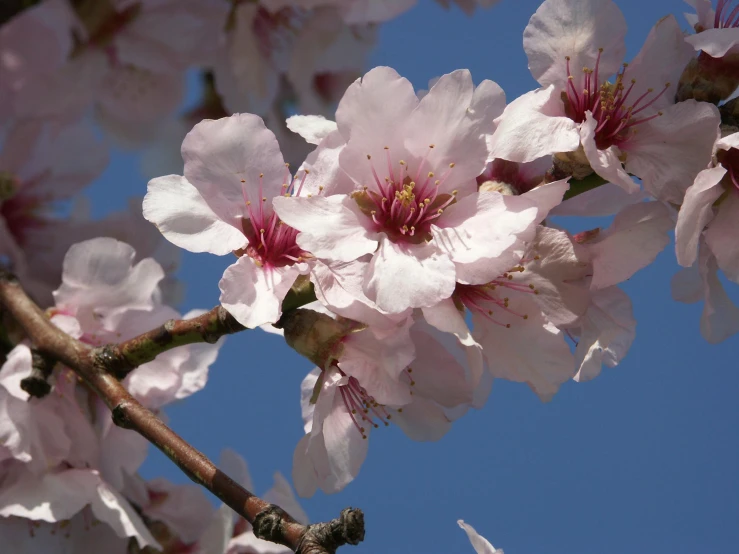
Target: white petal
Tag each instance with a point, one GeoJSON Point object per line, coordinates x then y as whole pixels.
{"type": "Point", "coordinates": [313, 128]}
{"type": "Point", "coordinates": [185, 219]}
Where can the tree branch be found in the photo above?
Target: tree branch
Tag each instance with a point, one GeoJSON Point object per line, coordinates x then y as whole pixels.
{"type": "Point", "coordinates": [270, 522]}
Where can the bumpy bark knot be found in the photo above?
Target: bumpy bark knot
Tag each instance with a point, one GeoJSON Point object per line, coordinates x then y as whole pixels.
{"type": "Point", "coordinates": [268, 524]}
{"type": "Point", "coordinates": [324, 538]}
{"type": "Point", "coordinates": [111, 361]}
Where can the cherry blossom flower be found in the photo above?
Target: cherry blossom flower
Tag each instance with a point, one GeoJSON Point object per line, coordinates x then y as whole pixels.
{"type": "Point", "coordinates": [342, 403]}
{"type": "Point", "coordinates": [65, 455]}
{"type": "Point", "coordinates": [130, 62]}
{"type": "Point", "coordinates": [479, 543]}
{"type": "Point", "coordinates": [404, 173]}
{"type": "Point", "coordinates": [628, 126]}
{"type": "Point", "coordinates": [710, 210]}
{"type": "Point", "coordinates": [41, 165]}
{"type": "Point", "coordinates": [233, 169]}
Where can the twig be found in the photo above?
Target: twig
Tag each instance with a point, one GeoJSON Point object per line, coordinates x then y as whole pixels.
{"type": "Point", "coordinates": [270, 522]}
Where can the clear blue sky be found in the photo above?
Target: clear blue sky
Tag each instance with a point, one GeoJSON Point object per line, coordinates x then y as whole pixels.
{"type": "Point", "coordinates": [643, 459]}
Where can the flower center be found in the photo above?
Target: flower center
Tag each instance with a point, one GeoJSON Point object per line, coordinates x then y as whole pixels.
{"type": "Point", "coordinates": [402, 205]}
{"type": "Point", "coordinates": [725, 16]}
{"type": "Point", "coordinates": [611, 104]}
{"type": "Point", "coordinates": [271, 241]}
{"type": "Point", "coordinates": [490, 299]}
{"type": "Point", "coordinates": [730, 160]}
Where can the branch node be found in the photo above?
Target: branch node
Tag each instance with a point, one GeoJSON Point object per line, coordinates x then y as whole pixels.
{"type": "Point", "coordinates": [110, 360]}
{"type": "Point", "coordinates": [268, 524]}
{"type": "Point", "coordinates": [323, 538]}
{"type": "Point", "coordinates": [120, 416]}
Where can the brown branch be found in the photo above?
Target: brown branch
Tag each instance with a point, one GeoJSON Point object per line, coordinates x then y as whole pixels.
{"type": "Point", "coordinates": [270, 522]}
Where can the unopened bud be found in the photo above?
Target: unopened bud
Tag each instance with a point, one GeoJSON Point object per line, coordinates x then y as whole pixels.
{"type": "Point", "coordinates": [574, 164]}
{"type": "Point", "coordinates": [315, 335]}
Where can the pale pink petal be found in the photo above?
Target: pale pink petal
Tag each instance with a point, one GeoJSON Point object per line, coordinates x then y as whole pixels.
{"type": "Point", "coordinates": [722, 236]}
{"type": "Point", "coordinates": [532, 126]}
{"type": "Point", "coordinates": [488, 101]}
{"type": "Point", "coordinates": [403, 276]}
{"type": "Point", "coordinates": [253, 294]}
{"type": "Point", "coordinates": [439, 375]}
{"type": "Point", "coordinates": [604, 200]}
{"type": "Point", "coordinates": [122, 452]}
{"type": "Point", "coordinates": [109, 506]}
{"type": "Point", "coordinates": [557, 275]}
{"type": "Point", "coordinates": [720, 318]}
{"type": "Point", "coordinates": [423, 420]}
{"type": "Point", "coordinates": [446, 317]}
{"type": "Point", "coordinates": [695, 212]}
{"type": "Point", "coordinates": [339, 286]}
{"type": "Point", "coordinates": [313, 128]}
{"type": "Point", "coordinates": [661, 60]}
{"type": "Point", "coordinates": [17, 367]}
{"type": "Point", "coordinates": [547, 197]}
{"type": "Point", "coordinates": [605, 163]}
{"type": "Point", "coordinates": [331, 228]}
{"type": "Point", "coordinates": [532, 350]}
{"type": "Point", "coordinates": [715, 42]}
{"type": "Point", "coordinates": [377, 363]}
{"type": "Point", "coordinates": [606, 332]}
{"type": "Point", "coordinates": [669, 151]}
{"type": "Point", "coordinates": [185, 219]}
{"type": "Point", "coordinates": [479, 543]}
{"type": "Point", "coordinates": [443, 118]}
{"type": "Point", "coordinates": [638, 233]}
{"type": "Point", "coordinates": [216, 537]}
{"type": "Point", "coordinates": [220, 154]}
{"type": "Point", "coordinates": [482, 225]}
{"type": "Point", "coordinates": [574, 28]}
{"type": "Point", "coordinates": [369, 113]}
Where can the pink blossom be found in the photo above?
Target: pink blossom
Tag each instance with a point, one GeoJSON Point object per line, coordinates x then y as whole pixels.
{"type": "Point", "coordinates": [709, 212]}
{"type": "Point", "coordinates": [404, 172]}
{"type": "Point", "coordinates": [479, 543]}
{"type": "Point", "coordinates": [233, 169]}
{"type": "Point", "coordinates": [339, 412]}
{"type": "Point", "coordinates": [41, 165]}
{"type": "Point", "coordinates": [579, 111]}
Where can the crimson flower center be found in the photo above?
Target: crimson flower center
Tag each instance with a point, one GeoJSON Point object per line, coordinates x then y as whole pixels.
{"type": "Point", "coordinates": [271, 242]}
{"type": "Point", "coordinates": [613, 105]}
{"type": "Point", "coordinates": [730, 160]}
{"type": "Point", "coordinates": [404, 204]}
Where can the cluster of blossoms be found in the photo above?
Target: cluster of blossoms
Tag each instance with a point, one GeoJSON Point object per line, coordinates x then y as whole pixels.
{"type": "Point", "coordinates": [419, 222]}
{"type": "Point", "coordinates": [68, 475]}
{"type": "Point", "coordinates": [69, 68]}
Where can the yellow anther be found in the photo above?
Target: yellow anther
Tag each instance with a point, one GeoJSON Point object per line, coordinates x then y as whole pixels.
{"type": "Point", "coordinates": [431, 145]}
{"type": "Point", "coordinates": [243, 181]}
{"type": "Point", "coordinates": [369, 157]}
{"type": "Point", "coordinates": [307, 172]}
{"type": "Point", "coordinates": [452, 164]}
{"type": "Point", "coordinates": [261, 175]}
{"type": "Point", "coordinates": [261, 231]}
{"type": "Point", "coordinates": [525, 316]}
{"type": "Point", "coordinates": [508, 326]}
{"type": "Point", "coordinates": [401, 162]}
{"type": "Point", "coordinates": [431, 174]}
{"type": "Point", "coordinates": [387, 148]}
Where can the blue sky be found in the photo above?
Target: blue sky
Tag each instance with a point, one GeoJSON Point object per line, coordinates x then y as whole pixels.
{"type": "Point", "coordinates": [642, 459]}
